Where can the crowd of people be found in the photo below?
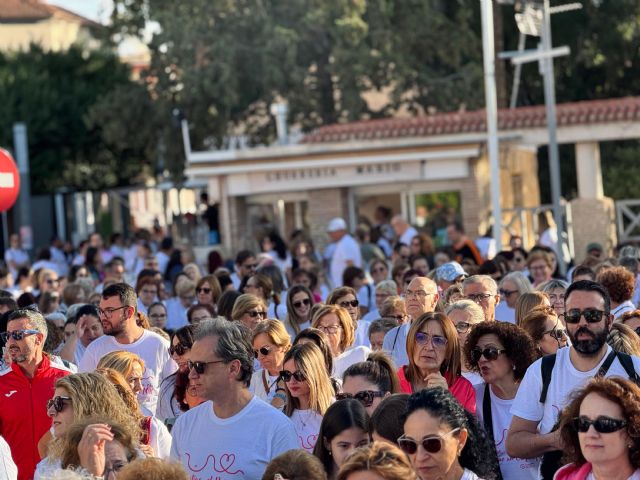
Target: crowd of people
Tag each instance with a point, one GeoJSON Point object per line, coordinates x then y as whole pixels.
{"type": "Point", "coordinates": [381, 357]}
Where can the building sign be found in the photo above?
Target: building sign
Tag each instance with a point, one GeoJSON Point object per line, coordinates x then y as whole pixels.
{"type": "Point", "coordinates": [299, 174]}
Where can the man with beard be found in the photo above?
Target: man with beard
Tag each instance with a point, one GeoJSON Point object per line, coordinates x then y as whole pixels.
{"type": "Point", "coordinates": [26, 385]}
{"type": "Point", "coordinates": [121, 332]}
{"type": "Point", "coordinates": [420, 296]}
{"type": "Point", "coordinates": [588, 319]}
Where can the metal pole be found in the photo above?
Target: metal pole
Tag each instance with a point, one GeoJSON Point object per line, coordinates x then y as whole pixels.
{"type": "Point", "coordinates": [24, 198]}
{"type": "Point", "coordinates": [492, 116]}
{"type": "Point", "coordinates": [554, 163]}
{"type": "Point", "coordinates": [516, 74]}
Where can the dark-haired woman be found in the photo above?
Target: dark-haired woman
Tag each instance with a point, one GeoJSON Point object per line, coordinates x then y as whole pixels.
{"type": "Point", "coordinates": [344, 428]}
{"type": "Point", "coordinates": [181, 343]}
{"type": "Point", "coordinates": [370, 381]}
{"type": "Point", "coordinates": [444, 441]}
{"type": "Point", "coordinates": [273, 245]}
{"type": "Point", "coordinates": [501, 353]}
{"type": "Point", "coordinates": [435, 360]}
{"type": "Point", "coordinates": [299, 302]}
{"type": "Point", "coordinates": [599, 431]}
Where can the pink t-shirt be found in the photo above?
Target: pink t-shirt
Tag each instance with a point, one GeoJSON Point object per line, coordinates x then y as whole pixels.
{"type": "Point", "coordinates": [461, 388]}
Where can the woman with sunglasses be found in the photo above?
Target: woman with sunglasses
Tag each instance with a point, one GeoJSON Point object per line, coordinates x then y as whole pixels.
{"type": "Point", "coordinates": [512, 286]}
{"type": "Point", "coordinates": [76, 398]}
{"type": "Point", "coordinates": [345, 427]}
{"type": "Point", "coordinates": [445, 441]}
{"type": "Point", "coordinates": [168, 406]}
{"type": "Point", "coordinates": [249, 310]}
{"type": "Point", "coordinates": [379, 270]}
{"type": "Point", "coordinates": [546, 330]}
{"type": "Point", "coordinates": [261, 286]}
{"type": "Point", "coordinates": [208, 290]}
{"type": "Point", "coordinates": [465, 314]}
{"type": "Point", "coordinates": [270, 344]}
{"type": "Point", "coordinates": [309, 391]}
{"type": "Point", "coordinates": [435, 359]}
{"type": "Point", "coordinates": [346, 297]}
{"type": "Point", "coordinates": [599, 432]}
{"type": "Point", "coordinates": [336, 323]}
{"type": "Point", "coordinates": [299, 302]}
{"type": "Point", "coordinates": [501, 353]}
{"type": "Point", "coordinates": [370, 381]}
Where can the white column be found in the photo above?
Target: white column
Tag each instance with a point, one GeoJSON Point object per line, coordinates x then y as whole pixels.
{"type": "Point", "coordinates": [588, 170]}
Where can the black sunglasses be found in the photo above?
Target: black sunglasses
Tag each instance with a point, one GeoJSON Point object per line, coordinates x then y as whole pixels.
{"type": "Point", "coordinates": [264, 351]}
{"type": "Point", "coordinates": [286, 376]}
{"type": "Point", "coordinates": [352, 303]}
{"type": "Point", "coordinates": [200, 366]}
{"type": "Point", "coordinates": [490, 353]}
{"type": "Point", "coordinates": [257, 314]}
{"type": "Point", "coordinates": [17, 335]}
{"type": "Point", "coordinates": [602, 424]}
{"type": "Point", "coordinates": [432, 444]}
{"type": "Point", "coordinates": [179, 349]}
{"type": "Point", "coordinates": [57, 403]}
{"type": "Point", "coordinates": [365, 396]}
{"type": "Point", "coordinates": [591, 315]}
{"type": "Point", "coordinates": [306, 302]}
{"type": "Point", "coordinates": [203, 290]}
{"type": "Point", "coordinates": [557, 333]}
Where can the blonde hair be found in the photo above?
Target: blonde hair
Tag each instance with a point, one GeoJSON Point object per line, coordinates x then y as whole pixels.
{"type": "Point", "coordinates": [274, 329]}
{"type": "Point", "coordinates": [245, 303]}
{"type": "Point", "coordinates": [348, 329]}
{"type": "Point", "coordinates": [623, 338]}
{"type": "Point", "coordinates": [382, 458]}
{"type": "Point", "coordinates": [92, 394]}
{"type": "Point", "coordinates": [527, 302]}
{"type": "Point", "coordinates": [121, 361]}
{"type": "Point", "coordinates": [153, 469]}
{"type": "Point", "coordinates": [309, 360]}
{"type": "Point", "coordinates": [124, 390]}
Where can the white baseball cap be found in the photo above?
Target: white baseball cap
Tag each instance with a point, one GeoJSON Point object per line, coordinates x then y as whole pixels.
{"type": "Point", "coordinates": [336, 224]}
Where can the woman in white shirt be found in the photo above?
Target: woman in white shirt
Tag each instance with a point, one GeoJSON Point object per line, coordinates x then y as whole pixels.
{"type": "Point", "coordinates": [262, 287]}
{"type": "Point", "coordinates": [299, 303]}
{"type": "Point", "coordinates": [309, 391]}
{"type": "Point", "coordinates": [465, 314]}
{"type": "Point", "coordinates": [270, 344]}
{"type": "Point", "coordinates": [501, 353]}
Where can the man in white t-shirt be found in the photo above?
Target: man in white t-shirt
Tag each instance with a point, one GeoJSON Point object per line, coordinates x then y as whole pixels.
{"type": "Point", "coordinates": [121, 332]}
{"type": "Point", "coordinates": [233, 435]}
{"type": "Point", "coordinates": [421, 296]}
{"type": "Point", "coordinates": [588, 319]}
{"type": "Point", "coordinates": [346, 251]}
{"type": "Point", "coordinates": [403, 230]}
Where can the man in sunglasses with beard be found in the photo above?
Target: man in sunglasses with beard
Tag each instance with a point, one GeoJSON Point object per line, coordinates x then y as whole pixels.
{"type": "Point", "coordinates": [588, 319]}
{"type": "Point", "coordinates": [26, 384]}
{"type": "Point", "coordinates": [234, 432]}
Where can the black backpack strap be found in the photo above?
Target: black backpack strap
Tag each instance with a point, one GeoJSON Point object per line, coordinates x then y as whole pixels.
{"type": "Point", "coordinates": [627, 363]}
{"type": "Point", "coordinates": [486, 412]}
{"type": "Point", "coordinates": [604, 368]}
{"type": "Point", "coordinates": [546, 368]}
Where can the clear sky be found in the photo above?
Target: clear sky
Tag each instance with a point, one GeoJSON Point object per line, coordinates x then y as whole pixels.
{"type": "Point", "coordinates": [98, 10]}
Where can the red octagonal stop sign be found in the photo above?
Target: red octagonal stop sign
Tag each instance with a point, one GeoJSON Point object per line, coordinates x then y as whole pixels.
{"type": "Point", "coordinates": [9, 181]}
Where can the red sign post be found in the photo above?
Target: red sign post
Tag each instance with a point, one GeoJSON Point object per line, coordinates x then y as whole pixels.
{"type": "Point", "coordinates": [9, 181]}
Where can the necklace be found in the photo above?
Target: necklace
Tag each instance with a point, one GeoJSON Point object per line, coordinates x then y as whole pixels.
{"type": "Point", "coordinates": [310, 413]}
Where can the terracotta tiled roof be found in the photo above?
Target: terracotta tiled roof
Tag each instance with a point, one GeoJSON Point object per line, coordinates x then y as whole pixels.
{"type": "Point", "coordinates": [31, 10]}
{"type": "Point", "coordinates": [577, 113]}
{"type": "Point", "coordinates": [35, 10]}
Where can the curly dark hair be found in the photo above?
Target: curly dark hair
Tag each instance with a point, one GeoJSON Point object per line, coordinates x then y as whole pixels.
{"type": "Point", "coordinates": [520, 349]}
{"type": "Point", "coordinates": [619, 390]}
{"type": "Point", "coordinates": [619, 282]}
{"type": "Point", "coordinates": [479, 453]}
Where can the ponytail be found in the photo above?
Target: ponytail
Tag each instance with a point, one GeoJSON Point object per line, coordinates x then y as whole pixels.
{"type": "Point", "coordinates": [377, 369]}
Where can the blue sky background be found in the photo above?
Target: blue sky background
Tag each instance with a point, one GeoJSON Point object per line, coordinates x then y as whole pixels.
{"type": "Point", "coordinates": [94, 9]}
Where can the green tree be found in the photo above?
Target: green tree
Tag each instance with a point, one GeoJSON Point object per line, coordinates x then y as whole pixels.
{"type": "Point", "coordinates": [72, 103]}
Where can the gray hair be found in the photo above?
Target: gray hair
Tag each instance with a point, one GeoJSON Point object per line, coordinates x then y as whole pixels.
{"type": "Point", "coordinates": [35, 320]}
{"type": "Point", "coordinates": [520, 280]}
{"type": "Point", "coordinates": [233, 344]}
{"type": "Point", "coordinates": [552, 284]}
{"type": "Point", "coordinates": [485, 280]}
{"type": "Point", "coordinates": [472, 308]}
{"type": "Point", "coordinates": [387, 286]}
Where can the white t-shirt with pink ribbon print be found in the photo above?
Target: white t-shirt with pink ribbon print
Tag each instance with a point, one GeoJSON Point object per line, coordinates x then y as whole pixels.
{"type": "Point", "coordinates": [235, 448]}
